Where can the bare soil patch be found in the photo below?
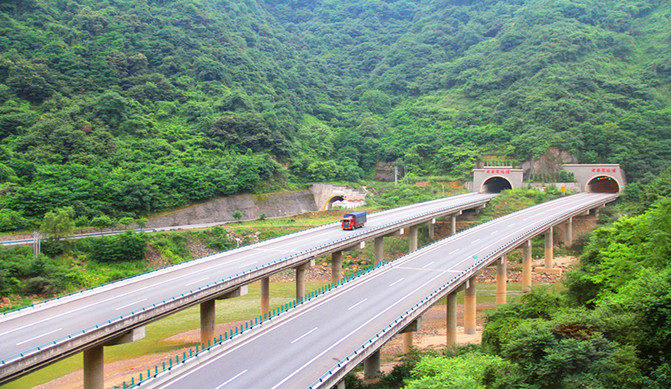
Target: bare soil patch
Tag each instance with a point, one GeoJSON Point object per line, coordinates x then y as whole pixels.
{"type": "Point", "coordinates": [431, 335]}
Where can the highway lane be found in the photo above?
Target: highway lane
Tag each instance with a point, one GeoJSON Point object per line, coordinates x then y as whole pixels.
{"type": "Point", "coordinates": [296, 351]}
{"type": "Point", "coordinates": [53, 320]}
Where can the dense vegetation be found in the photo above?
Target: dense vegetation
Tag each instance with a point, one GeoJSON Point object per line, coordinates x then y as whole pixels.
{"type": "Point", "coordinates": [123, 108]}
{"type": "Point", "coordinates": [70, 265]}
{"type": "Point", "coordinates": [611, 328]}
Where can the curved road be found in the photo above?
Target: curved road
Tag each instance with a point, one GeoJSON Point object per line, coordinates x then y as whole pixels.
{"type": "Point", "coordinates": [33, 327]}
{"type": "Point", "coordinates": [294, 352]}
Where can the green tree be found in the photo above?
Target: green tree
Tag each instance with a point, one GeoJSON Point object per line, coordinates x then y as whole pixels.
{"type": "Point", "coordinates": [58, 223]}
{"type": "Point", "coordinates": [238, 215]}
{"type": "Point", "coordinates": [463, 371]}
{"type": "Point", "coordinates": [103, 222]}
{"type": "Point", "coordinates": [126, 221]}
{"type": "Point", "coordinates": [127, 246]}
{"type": "Point", "coordinates": [141, 222]}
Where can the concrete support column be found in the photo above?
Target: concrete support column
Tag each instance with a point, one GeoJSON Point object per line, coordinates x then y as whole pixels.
{"type": "Point", "coordinates": [265, 296]}
{"type": "Point", "coordinates": [379, 249]}
{"type": "Point", "coordinates": [451, 310]}
{"type": "Point", "coordinates": [501, 280]}
{"type": "Point", "coordinates": [300, 278]}
{"type": "Point", "coordinates": [432, 229]}
{"type": "Point", "coordinates": [371, 369]}
{"type": "Point", "coordinates": [569, 232]}
{"type": "Point", "coordinates": [549, 254]}
{"type": "Point", "coordinates": [336, 266]}
{"type": "Point", "coordinates": [341, 385]}
{"type": "Point", "coordinates": [408, 333]}
{"type": "Point", "coordinates": [412, 238]}
{"type": "Point", "coordinates": [453, 223]}
{"type": "Point", "coordinates": [407, 342]}
{"type": "Point", "coordinates": [207, 320]}
{"type": "Point", "coordinates": [94, 368]}
{"type": "Point", "coordinates": [526, 267]}
{"type": "Point", "coordinates": [469, 307]}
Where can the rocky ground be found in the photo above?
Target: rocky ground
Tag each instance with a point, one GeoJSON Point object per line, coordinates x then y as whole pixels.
{"type": "Point", "coordinates": [430, 336]}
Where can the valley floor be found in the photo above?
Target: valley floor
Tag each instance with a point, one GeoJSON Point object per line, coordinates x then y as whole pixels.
{"type": "Point", "coordinates": [431, 335]}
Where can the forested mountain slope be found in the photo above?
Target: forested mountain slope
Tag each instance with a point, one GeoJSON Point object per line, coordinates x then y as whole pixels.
{"type": "Point", "coordinates": [129, 107]}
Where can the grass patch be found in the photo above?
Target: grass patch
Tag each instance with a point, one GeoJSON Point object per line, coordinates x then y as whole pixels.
{"type": "Point", "coordinates": [240, 308]}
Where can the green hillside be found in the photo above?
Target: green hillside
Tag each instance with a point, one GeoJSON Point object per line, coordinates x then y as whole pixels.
{"type": "Point", "coordinates": [124, 107]}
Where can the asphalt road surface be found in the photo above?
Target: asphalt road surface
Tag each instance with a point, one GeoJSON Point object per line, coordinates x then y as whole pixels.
{"type": "Point", "coordinates": [55, 320]}
{"type": "Point", "coordinates": [295, 352]}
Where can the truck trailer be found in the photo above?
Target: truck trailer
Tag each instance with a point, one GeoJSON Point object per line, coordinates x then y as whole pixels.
{"type": "Point", "coordinates": [353, 220]}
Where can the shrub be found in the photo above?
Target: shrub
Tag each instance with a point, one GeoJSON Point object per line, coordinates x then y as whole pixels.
{"type": "Point", "coordinates": [41, 286]}
{"type": "Point", "coordinates": [128, 246]}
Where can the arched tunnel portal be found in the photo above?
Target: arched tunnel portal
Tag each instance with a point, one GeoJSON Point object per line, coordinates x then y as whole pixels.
{"type": "Point", "coordinates": [329, 203]}
{"type": "Point", "coordinates": [496, 185]}
{"type": "Point", "coordinates": [603, 184]}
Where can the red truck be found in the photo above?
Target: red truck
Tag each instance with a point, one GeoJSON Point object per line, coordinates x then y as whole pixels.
{"type": "Point", "coordinates": [353, 220]}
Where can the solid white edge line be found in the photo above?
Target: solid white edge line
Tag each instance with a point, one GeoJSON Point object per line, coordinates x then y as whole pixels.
{"type": "Point", "coordinates": [37, 337]}
{"type": "Point", "coordinates": [128, 305]}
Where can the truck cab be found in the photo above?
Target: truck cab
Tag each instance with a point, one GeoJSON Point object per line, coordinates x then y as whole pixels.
{"type": "Point", "coordinates": [353, 220]}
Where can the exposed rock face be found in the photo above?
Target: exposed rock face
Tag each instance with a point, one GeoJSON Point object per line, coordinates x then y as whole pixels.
{"type": "Point", "coordinates": [551, 162]}
{"type": "Point", "coordinates": [384, 171]}
{"type": "Point", "coordinates": [252, 206]}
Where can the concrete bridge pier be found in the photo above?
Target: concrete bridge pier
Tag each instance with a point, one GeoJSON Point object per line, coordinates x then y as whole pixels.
{"type": "Point", "coordinates": [549, 253]}
{"type": "Point", "coordinates": [300, 278]}
{"type": "Point", "coordinates": [501, 280]}
{"type": "Point", "coordinates": [451, 310]}
{"type": "Point", "coordinates": [432, 229]}
{"type": "Point", "coordinates": [94, 358]}
{"type": "Point", "coordinates": [336, 266]}
{"type": "Point", "coordinates": [207, 320]}
{"type": "Point", "coordinates": [412, 238]}
{"type": "Point", "coordinates": [408, 333]}
{"type": "Point", "coordinates": [207, 312]}
{"type": "Point", "coordinates": [371, 368]}
{"type": "Point", "coordinates": [379, 245]}
{"type": "Point", "coordinates": [379, 249]}
{"type": "Point", "coordinates": [568, 238]}
{"type": "Point", "coordinates": [453, 223]}
{"type": "Point", "coordinates": [526, 266]}
{"type": "Point", "coordinates": [94, 368]}
{"type": "Point", "coordinates": [470, 305]}
{"type": "Point", "coordinates": [265, 296]}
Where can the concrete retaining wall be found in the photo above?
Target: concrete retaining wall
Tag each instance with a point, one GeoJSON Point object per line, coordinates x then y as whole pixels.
{"type": "Point", "coordinates": [221, 209]}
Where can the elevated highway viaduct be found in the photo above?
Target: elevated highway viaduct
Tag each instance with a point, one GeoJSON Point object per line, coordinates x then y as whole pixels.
{"type": "Point", "coordinates": [34, 337]}
{"type": "Point", "coordinates": [317, 343]}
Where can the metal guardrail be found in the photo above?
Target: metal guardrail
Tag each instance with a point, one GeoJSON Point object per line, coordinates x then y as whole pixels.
{"type": "Point", "coordinates": [92, 335]}
{"type": "Point", "coordinates": [333, 375]}
{"type": "Point", "coordinates": [359, 354]}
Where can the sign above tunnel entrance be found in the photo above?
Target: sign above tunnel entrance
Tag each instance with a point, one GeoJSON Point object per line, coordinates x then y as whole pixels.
{"type": "Point", "coordinates": [598, 177]}
{"type": "Point", "coordinates": [494, 179]}
{"type": "Point", "coordinates": [600, 170]}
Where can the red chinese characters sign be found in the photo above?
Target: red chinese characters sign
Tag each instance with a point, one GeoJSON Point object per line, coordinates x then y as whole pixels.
{"type": "Point", "coordinates": [603, 170]}
{"type": "Point", "coordinates": [498, 171]}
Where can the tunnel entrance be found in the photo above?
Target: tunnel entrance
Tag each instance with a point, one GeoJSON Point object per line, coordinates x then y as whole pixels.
{"type": "Point", "coordinates": [603, 184]}
{"type": "Point", "coordinates": [496, 185]}
{"type": "Point", "coordinates": [329, 204]}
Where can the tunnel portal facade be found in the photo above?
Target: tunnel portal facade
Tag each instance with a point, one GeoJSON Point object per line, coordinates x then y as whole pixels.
{"type": "Point", "coordinates": [496, 179]}
{"type": "Point", "coordinates": [600, 178]}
